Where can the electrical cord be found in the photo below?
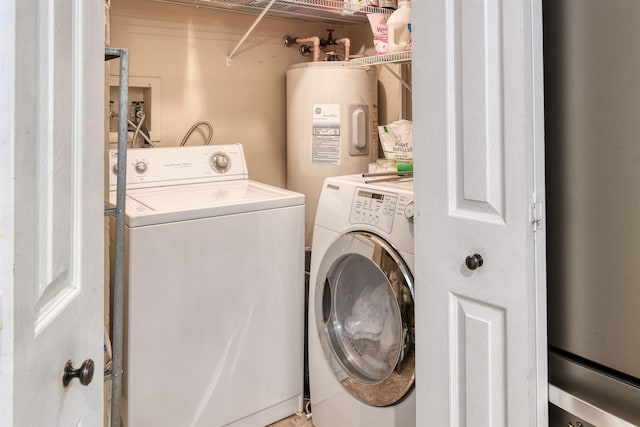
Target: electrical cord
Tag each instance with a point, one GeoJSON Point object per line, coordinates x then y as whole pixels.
{"type": "Point", "coordinates": [307, 410]}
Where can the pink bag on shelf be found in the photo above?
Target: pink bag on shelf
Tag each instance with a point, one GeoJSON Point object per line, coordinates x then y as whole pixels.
{"type": "Point", "coordinates": [378, 22]}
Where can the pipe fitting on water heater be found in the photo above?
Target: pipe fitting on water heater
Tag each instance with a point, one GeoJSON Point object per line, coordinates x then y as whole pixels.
{"type": "Point", "coordinates": [305, 50]}
{"type": "Point", "coordinates": [318, 44]}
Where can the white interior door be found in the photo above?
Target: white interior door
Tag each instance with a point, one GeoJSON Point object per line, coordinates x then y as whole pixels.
{"type": "Point", "coordinates": [478, 109]}
{"type": "Point", "coordinates": [52, 145]}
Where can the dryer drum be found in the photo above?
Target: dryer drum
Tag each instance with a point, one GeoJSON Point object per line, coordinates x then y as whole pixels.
{"type": "Point", "coordinates": [365, 318]}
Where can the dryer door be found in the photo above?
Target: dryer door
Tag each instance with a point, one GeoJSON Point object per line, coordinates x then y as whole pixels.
{"type": "Point", "coordinates": [365, 318]}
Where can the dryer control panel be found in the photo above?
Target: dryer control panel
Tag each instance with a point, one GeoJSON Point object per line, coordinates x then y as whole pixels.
{"type": "Point", "coordinates": [373, 207]}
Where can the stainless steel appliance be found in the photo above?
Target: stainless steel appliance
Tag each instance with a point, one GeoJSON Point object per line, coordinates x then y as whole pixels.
{"type": "Point", "coordinates": [592, 119]}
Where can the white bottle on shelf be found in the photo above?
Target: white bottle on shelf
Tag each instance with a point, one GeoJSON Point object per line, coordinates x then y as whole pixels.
{"type": "Point", "coordinates": [387, 4]}
{"type": "Point", "coordinates": [399, 27]}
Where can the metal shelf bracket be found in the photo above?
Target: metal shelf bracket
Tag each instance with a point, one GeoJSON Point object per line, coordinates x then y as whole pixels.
{"type": "Point", "coordinates": [249, 31]}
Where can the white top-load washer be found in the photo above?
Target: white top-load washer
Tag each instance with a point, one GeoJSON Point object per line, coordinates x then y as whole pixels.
{"type": "Point", "coordinates": [361, 311]}
{"type": "Point", "coordinates": [214, 291]}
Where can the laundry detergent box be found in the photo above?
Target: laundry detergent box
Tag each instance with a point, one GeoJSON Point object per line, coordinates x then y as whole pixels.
{"type": "Point", "coordinates": [396, 139]}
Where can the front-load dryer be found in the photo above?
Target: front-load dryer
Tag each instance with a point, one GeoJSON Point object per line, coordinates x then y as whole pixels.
{"type": "Point", "coordinates": [361, 304]}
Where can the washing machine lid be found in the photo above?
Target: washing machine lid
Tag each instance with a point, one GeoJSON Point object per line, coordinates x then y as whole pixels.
{"type": "Point", "coordinates": [365, 318]}
{"type": "Point", "coordinates": [158, 205]}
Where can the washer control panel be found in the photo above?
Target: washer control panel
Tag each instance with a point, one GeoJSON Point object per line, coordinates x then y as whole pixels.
{"type": "Point", "coordinates": [379, 208]}
{"type": "Point", "coordinates": [148, 167]}
{"type": "Point", "coordinates": [373, 207]}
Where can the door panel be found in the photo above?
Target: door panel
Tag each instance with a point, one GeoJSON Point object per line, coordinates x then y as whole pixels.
{"type": "Point", "coordinates": [478, 346]}
{"type": "Point", "coordinates": [476, 55]}
{"type": "Point", "coordinates": [53, 157]}
{"type": "Point", "coordinates": [58, 249]}
{"type": "Point", "coordinates": [481, 328]}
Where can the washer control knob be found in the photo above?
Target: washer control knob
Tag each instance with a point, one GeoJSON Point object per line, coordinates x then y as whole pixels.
{"type": "Point", "coordinates": [408, 212]}
{"type": "Point", "coordinates": [220, 162]}
{"type": "Point", "coordinates": [141, 166]}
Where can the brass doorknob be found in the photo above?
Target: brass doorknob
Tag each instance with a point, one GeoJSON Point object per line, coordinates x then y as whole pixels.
{"type": "Point", "coordinates": [84, 373]}
{"type": "Point", "coordinates": [474, 261]}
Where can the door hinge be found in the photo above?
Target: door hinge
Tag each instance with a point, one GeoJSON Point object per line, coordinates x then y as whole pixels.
{"type": "Point", "coordinates": [536, 215]}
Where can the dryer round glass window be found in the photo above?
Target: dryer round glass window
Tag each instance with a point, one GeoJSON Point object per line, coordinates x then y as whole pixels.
{"type": "Point", "coordinates": [365, 317]}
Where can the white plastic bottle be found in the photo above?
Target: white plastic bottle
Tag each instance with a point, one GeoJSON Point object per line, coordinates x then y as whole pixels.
{"type": "Point", "coordinates": [399, 27]}
{"type": "Point", "coordinates": [388, 4]}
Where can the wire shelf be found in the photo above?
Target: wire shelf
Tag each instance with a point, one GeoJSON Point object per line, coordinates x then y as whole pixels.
{"type": "Point", "coordinates": [306, 10]}
{"type": "Point", "coordinates": [386, 58]}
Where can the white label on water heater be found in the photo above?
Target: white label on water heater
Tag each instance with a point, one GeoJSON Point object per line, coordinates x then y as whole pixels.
{"type": "Point", "coordinates": [325, 136]}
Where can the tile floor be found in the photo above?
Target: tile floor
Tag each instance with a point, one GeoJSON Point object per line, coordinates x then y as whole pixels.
{"type": "Point", "coordinates": [297, 420]}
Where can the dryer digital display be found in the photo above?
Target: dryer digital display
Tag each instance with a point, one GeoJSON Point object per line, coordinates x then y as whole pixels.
{"type": "Point", "coordinates": [376, 208]}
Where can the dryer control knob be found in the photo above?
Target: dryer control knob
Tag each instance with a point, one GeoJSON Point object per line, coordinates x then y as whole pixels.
{"type": "Point", "coordinates": [408, 212]}
{"type": "Point", "coordinates": [220, 162]}
{"type": "Point", "coordinates": [141, 167]}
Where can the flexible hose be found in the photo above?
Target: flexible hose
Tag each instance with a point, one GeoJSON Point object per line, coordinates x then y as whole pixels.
{"type": "Point", "coordinates": [137, 131]}
{"type": "Point", "coordinates": [195, 125]}
{"type": "Point", "coordinates": [137, 128]}
{"type": "Point", "coordinates": [144, 135]}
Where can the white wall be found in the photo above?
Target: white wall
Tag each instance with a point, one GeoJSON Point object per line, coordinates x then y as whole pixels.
{"type": "Point", "coordinates": [186, 48]}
